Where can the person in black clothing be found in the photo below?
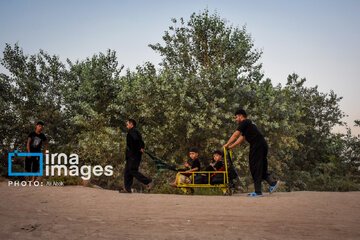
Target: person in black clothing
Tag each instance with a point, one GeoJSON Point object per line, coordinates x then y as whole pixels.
{"type": "Point", "coordinates": [258, 151]}
{"type": "Point", "coordinates": [34, 144]}
{"type": "Point", "coordinates": [192, 164]}
{"type": "Point", "coordinates": [215, 165]}
{"type": "Point", "coordinates": [218, 178]}
{"type": "Point", "coordinates": [134, 150]}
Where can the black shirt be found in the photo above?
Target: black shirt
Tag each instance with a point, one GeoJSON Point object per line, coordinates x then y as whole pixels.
{"type": "Point", "coordinates": [250, 131]}
{"type": "Point", "coordinates": [36, 141]}
{"type": "Point", "coordinates": [218, 165]}
{"type": "Point", "coordinates": [134, 142]}
{"type": "Point", "coordinates": [194, 164]}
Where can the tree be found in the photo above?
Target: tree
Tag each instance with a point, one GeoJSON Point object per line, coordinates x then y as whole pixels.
{"type": "Point", "coordinates": [205, 44]}
{"type": "Point", "coordinates": [31, 92]}
{"type": "Point", "coordinates": [209, 69]}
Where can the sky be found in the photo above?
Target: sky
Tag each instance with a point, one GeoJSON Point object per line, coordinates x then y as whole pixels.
{"type": "Point", "coordinates": [317, 39]}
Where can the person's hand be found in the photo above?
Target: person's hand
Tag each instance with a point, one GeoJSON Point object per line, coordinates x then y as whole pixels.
{"type": "Point", "coordinates": [187, 165]}
{"type": "Point", "coordinates": [142, 150]}
{"type": "Point", "coordinates": [226, 146]}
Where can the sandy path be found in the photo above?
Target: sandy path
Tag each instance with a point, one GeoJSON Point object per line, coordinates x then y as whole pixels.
{"type": "Point", "coordinates": [76, 212]}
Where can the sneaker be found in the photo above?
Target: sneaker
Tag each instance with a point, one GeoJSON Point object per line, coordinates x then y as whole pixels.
{"type": "Point", "coordinates": [254, 194]}
{"type": "Point", "coordinates": [273, 188]}
{"type": "Point", "coordinates": [123, 191]}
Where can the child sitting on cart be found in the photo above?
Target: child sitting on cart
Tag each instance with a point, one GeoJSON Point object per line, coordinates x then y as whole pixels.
{"type": "Point", "coordinates": [216, 165]}
{"type": "Point", "coordinates": [192, 164]}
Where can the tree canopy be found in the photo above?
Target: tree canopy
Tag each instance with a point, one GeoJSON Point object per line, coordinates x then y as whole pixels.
{"type": "Point", "coordinates": [209, 69]}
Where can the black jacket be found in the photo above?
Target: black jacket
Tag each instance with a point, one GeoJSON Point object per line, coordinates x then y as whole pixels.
{"type": "Point", "coordinates": [134, 143]}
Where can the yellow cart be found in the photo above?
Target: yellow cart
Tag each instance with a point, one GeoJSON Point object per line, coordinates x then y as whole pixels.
{"type": "Point", "coordinates": [224, 186]}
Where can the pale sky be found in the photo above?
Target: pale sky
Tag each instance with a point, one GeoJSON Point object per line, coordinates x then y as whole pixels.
{"type": "Point", "coordinates": [318, 40]}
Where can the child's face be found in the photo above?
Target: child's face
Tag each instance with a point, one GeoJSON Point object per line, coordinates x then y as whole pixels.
{"type": "Point", "coordinates": [217, 157]}
{"type": "Point", "coordinates": [193, 155]}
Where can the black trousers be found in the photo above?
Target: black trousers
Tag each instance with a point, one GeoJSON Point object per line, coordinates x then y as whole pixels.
{"type": "Point", "coordinates": [32, 164]}
{"type": "Point", "coordinates": [217, 179]}
{"type": "Point", "coordinates": [132, 171]}
{"type": "Point", "coordinates": [259, 165]}
{"type": "Point", "coordinates": [200, 179]}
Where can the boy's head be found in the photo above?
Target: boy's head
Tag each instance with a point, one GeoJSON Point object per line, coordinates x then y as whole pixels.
{"type": "Point", "coordinates": [193, 153]}
{"type": "Point", "coordinates": [218, 155]}
{"type": "Point", "coordinates": [39, 126]}
{"type": "Point", "coordinates": [240, 115]}
{"type": "Point", "coordinates": [130, 123]}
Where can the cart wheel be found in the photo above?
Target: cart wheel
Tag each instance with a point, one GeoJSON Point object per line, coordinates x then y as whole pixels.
{"type": "Point", "coordinates": [226, 191]}
{"type": "Point", "coordinates": [229, 192]}
{"type": "Point", "coordinates": [188, 191]}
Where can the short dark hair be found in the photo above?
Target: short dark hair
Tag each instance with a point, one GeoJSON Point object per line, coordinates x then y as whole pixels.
{"type": "Point", "coordinates": [218, 152]}
{"type": "Point", "coordinates": [241, 112]}
{"type": "Point", "coordinates": [132, 121]}
{"type": "Point", "coordinates": [40, 123]}
{"type": "Point", "coordinates": [194, 149]}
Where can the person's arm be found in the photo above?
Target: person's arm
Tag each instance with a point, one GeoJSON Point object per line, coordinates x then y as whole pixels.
{"type": "Point", "coordinates": [141, 142]}
{"type": "Point", "coordinates": [195, 166]}
{"type": "Point", "coordinates": [45, 147]}
{"type": "Point", "coordinates": [28, 144]}
{"type": "Point", "coordinates": [142, 145]}
{"type": "Point", "coordinates": [238, 141]}
{"type": "Point", "coordinates": [235, 136]}
{"type": "Point", "coordinates": [193, 169]}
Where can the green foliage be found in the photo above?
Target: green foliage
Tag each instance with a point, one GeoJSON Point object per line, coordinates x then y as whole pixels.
{"type": "Point", "coordinates": [209, 69]}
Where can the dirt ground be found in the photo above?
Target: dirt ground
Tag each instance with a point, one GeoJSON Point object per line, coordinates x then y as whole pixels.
{"type": "Point", "coordinates": [76, 212]}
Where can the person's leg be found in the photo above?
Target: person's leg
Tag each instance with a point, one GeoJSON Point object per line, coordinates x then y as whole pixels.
{"type": "Point", "coordinates": [218, 179]}
{"type": "Point", "coordinates": [28, 164]}
{"type": "Point", "coordinates": [189, 180]}
{"type": "Point", "coordinates": [257, 166]}
{"type": "Point", "coordinates": [270, 180]}
{"type": "Point", "coordinates": [135, 172]}
{"type": "Point", "coordinates": [182, 179]}
{"type": "Point", "coordinates": [176, 181]}
{"type": "Point", "coordinates": [36, 166]}
{"type": "Point", "coordinates": [199, 179]}
{"type": "Point", "coordinates": [128, 178]}
{"type": "Point", "coordinates": [140, 177]}
{"type": "Point", "coordinates": [266, 175]}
